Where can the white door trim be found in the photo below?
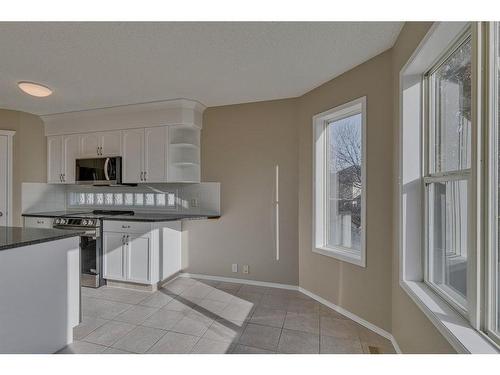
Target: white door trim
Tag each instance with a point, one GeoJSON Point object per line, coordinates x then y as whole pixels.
{"type": "Point", "coordinates": [10, 134]}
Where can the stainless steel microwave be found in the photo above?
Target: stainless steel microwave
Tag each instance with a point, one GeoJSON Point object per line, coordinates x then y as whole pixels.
{"type": "Point", "coordinates": [99, 171]}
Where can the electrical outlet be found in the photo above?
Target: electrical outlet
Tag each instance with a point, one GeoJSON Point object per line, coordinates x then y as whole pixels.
{"type": "Point", "coordinates": [194, 203]}
{"type": "Point", "coordinates": [246, 269]}
{"type": "Point", "coordinates": [234, 268]}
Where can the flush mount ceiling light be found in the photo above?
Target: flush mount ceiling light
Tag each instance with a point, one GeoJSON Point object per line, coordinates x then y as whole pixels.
{"type": "Point", "coordinates": [34, 89]}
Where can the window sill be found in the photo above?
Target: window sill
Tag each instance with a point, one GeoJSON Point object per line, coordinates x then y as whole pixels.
{"type": "Point", "coordinates": [341, 254]}
{"type": "Point", "coordinates": [459, 333]}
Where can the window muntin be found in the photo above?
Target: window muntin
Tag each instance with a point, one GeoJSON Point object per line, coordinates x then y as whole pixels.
{"type": "Point", "coordinates": [447, 175]}
{"type": "Point", "coordinates": [339, 182]}
{"type": "Point", "coordinates": [343, 182]}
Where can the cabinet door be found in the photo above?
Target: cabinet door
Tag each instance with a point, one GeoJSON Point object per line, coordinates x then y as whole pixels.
{"type": "Point", "coordinates": [113, 256]}
{"type": "Point", "coordinates": [111, 143]}
{"type": "Point", "coordinates": [89, 144]}
{"type": "Point", "coordinates": [138, 259]}
{"type": "Point", "coordinates": [71, 150]}
{"type": "Point", "coordinates": [133, 154]}
{"type": "Point", "coordinates": [155, 154]}
{"type": "Point", "coordinates": [54, 159]}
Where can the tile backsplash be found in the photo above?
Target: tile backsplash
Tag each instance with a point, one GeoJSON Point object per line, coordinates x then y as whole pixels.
{"type": "Point", "coordinates": [201, 198]}
{"type": "Point", "coordinates": [40, 197]}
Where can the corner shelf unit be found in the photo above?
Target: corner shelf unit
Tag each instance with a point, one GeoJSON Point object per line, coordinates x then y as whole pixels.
{"type": "Point", "coordinates": [184, 154]}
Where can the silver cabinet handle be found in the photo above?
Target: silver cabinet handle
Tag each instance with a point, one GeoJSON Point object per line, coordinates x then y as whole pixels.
{"type": "Point", "coordinates": [125, 226]}
{"type": "Point", "coordinates": [60, 177]}
{"type": "Point", "coordinates": [123, 240]}
{"type": "Point", "coordinates": [128, 238]}
{"type": "Point", "coordinates": [145, 176]}
{"type": "Point", "coordinates": [64, 177]}
{"type": "Point", "coordinates": [142, 176]}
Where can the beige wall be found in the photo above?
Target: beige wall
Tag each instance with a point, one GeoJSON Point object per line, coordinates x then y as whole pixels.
{"type": "Point", "coordinates": [30, 155]}
{"type": "Point", "coordinates": [411, 328]}
{"type": "Point", "coordinates": [363, 291]}
{"type": "Point", "coordinates": [240, 146]}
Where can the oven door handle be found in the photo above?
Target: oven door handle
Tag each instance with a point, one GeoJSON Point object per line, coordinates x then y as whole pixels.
{"type": "Point", "coordinates": [106, 166]}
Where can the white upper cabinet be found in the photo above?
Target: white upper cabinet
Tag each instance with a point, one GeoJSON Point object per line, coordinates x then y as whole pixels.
{"type": "Point", "coordinates": [89, 145]}
{"type": "Point", "coordinates": [111, 143]}
{"type": "Point", "coordinates": [145, 155]}
{"type": "Point", "coordinates": [54, 159]}
{"type": "Point", "coordinates": [133, 154]}
{"type": "Point", "coordinates": [70, 150]}
{"type": "Point", "coordinates": [100, 144]}
{"type": "Point", "coordinates": [155, 154]}
{"type": "Point", "coordinates": [62, 151]}
{"type": "Point", "coordinates": [159, 142]}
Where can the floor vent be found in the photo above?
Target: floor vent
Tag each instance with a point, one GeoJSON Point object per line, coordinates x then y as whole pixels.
{"type": "Point", "coordinates": [374, 350]}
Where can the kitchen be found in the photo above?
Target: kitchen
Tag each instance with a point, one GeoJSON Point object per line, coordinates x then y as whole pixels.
{"type": "Point", "coordinates": [214, 188]}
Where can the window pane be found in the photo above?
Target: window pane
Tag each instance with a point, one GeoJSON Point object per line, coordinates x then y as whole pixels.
{"type": "Point", "coordinates": [139, 199]}
{"type": "Point", "coordinates": [448, 238]}
{"type": "Point", "coordinates": [108, 198]}
{"type": "Point", "coordinates": [100, 198]}
{"type": "Point", "coordinates": [344, 183]}
{"type": "Point", "coordinates": [451, 112]}
{"type": "Point", "coordinates": [129, 199]}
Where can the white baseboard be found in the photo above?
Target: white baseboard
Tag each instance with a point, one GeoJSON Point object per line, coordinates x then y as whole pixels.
{"type": "Point", "coordinates": [354, 317]}
{"type": "Point", "coordinates": [321, 300]}
{"type": "Point", "coordinates": [240, 281]}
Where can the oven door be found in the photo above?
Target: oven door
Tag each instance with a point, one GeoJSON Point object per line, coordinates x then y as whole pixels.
{"type": "Point", "coordinates": [98, 171]}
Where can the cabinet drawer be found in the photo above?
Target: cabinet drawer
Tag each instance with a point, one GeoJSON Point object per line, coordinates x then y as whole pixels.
{"type": "Point", "coordinates": [126, 227]}
{"type": "Point", "coordinates": [38, 222]}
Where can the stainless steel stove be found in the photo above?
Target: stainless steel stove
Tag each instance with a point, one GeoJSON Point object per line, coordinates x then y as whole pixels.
{"type": "Point", "coordinates": [90, 242]}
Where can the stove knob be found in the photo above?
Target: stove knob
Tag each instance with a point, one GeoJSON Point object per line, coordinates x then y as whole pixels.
{"type": "Point", "coordinates": [58, 221]}
{"type": "Point", "coordinates": [91, 222]}
{"type": "Point", "coordinates": [84, 222]}
{"type": "Point", "coordinates": [63, 221]}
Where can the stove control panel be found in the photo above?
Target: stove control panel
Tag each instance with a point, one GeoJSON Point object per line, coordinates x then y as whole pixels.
{"type": "Point", "coordinates": [76, 222]}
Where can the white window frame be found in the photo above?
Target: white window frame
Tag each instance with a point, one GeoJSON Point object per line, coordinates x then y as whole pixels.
{"type": "Point", "coordinates": [431, 176]}
{"type": "Point", "coordinates": [492, 191]}
{"type": "Point", "coordinates": [464, 332]}
{"type": "Point", "coordinates": [320, 201]}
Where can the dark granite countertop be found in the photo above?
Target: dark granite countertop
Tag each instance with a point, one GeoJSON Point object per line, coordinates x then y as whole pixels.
{"type": "Point", "coordinates": [157, 217]}
{"type": "Point", "coordinates": [138, 216]}
{"type": "Point", "coordinates": [51, 213]}
{"type": "Point", "coordinates": [11, 237]}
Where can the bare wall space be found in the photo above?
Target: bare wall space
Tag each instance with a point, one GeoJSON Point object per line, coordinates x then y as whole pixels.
{"type": "Point", "coordinates": [240, 146]}
{"type": "Point", "coordinates": [29, 156]}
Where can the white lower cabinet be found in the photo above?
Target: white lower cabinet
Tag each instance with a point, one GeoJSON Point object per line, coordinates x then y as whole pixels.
{"type": "Point", "coordinates": [143, 253]}
{"type": "Point", "coordinates": [138, 259]}
{"type": "Point", "coordinates": [114, 249]}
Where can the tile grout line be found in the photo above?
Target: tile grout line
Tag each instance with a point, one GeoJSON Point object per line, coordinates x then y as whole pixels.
{"type": "Point", "coordinates": [233, 293]}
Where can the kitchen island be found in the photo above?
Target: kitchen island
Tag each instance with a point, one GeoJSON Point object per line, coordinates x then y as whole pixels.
{"type": "Point", "coordinates": [39, 289]}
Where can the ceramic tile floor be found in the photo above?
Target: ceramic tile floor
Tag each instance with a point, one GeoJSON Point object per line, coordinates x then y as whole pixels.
{"type": "Point", "coordinates": [200, 316]}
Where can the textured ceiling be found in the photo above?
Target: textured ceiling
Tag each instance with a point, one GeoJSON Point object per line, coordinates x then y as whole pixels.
{"type": "Point", "coordinates": [96, 65]}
